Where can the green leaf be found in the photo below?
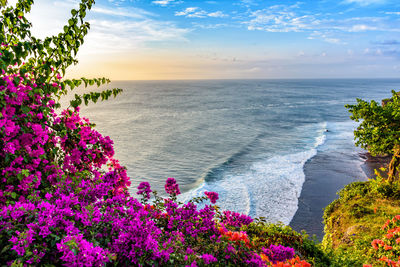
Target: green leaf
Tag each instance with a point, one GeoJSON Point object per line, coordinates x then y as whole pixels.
{"type": "Point", "coordinates": [25, 109]}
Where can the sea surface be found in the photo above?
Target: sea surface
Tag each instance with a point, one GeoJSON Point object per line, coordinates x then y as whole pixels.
{"type": "Point", "coordinates": [248, 140]}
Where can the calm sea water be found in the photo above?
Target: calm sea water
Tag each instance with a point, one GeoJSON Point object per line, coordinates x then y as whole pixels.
{"type": "Point", "coordinates": [248, 140]}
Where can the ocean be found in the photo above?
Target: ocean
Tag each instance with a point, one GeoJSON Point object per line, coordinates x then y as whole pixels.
{"type": "Point", "coordinates": [248, 140]}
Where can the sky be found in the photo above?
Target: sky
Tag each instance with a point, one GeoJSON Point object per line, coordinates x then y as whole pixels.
{"type": "Point", "coordinates": [238, 39]}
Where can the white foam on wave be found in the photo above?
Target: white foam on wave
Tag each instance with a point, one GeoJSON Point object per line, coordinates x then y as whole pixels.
{"type": "Point", "coordinates": [342, 130]}
{"type": "Point", "coordinates": [276, 186]}
{"type": "Point", "coordinates": [321, 138]}
{"type": "Point", "coordinates": [268, 188]}
{"type": "Point", "coordinates": [342, 141]}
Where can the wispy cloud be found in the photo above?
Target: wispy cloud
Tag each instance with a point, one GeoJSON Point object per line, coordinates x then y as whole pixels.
{"type": "Point", "coordinates": [281, 18]}
{"type": "Point", "coordinates": [196, 12]}
{"type": "Point", "coordinates": [109, 36]}
{"type": "Point", "coordinates": [326, 36]}
{"type": "Point", "coordinates": [392, 13]}
{"type": "Point", "coordinates": [166, 2]}
{"type": "Point", "coordinates": [217, 14]}
{"type": "Point", "coordinates": [363, 24]}
{"type": "Point", "coordinates": [209, 26]}
{"type": "Point", "coordinates": [362, 28]}
{"type": "Point", "coordinates": [131, 12]}
{"type": "Point", "coordinates": [364, 2]}
{"type": "Point", "coordinates": [247, 3]}
{"type": "Point", "coordinates": [294, 18]}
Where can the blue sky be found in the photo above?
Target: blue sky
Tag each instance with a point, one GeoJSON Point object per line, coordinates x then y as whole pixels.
{"type": "Point", "coordinates": [182, 39]}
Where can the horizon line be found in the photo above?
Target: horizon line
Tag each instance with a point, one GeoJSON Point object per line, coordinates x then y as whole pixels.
{"type": "Point", "coordinates": [260, 79]}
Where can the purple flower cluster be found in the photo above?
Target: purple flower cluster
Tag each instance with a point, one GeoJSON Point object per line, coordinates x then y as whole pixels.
{"type": "Point", "coordinates": [236, 219]}
{"type": "Point", "coordinates": [208, 258]}
{"type": "Point", "coordinates": [144, 190]}
{"type": "Point", "coordinates": [213, 196]}
{"type": "Point", "coordinates": [171, 187]}
{"type": "Point", "coordinates": [76, 251]}
{"type": "Point", "coordinates": [279, 253]}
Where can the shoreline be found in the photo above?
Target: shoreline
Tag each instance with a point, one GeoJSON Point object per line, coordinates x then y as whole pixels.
{"type": "Point", "coordinates": [326, 174]}
{"type": "Point", "coordinates": [371, 163]}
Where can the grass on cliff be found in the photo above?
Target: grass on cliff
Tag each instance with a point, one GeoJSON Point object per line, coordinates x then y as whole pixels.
{"type": "Point", "coordinates": [355, 219]}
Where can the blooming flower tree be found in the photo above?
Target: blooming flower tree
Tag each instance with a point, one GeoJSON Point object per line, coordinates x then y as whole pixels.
{"type": "Point", "coordinates": [63, 196]}
{"type": "Point", "coordinates": [387, 249]}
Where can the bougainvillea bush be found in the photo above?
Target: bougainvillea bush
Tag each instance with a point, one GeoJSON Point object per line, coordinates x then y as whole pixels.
{"type": "Point", "coordinates": [386, 250]}
{"type": "Point", "coordinates": [63, 196]}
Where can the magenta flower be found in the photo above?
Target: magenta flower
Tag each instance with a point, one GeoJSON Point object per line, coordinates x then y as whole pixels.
{"type": "Point", "coordinates": [144, 189]}
{"type": "Point", "coordinates": [171, 187]}
{"type": "Point", "coordinates": [278, 253]}
{"type": "Point", "coordinates": [236, 219]}
{"type": "Point", "coordinates": [208, 258]}
{"type": "Point", "coordinates": [213, 196]}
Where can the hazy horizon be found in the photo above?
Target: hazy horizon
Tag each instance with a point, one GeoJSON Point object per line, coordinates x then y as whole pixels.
{"type": "Point", "coordinates": [261, 79]}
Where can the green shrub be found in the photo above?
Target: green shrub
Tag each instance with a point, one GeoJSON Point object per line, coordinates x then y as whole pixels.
{"type": "Point", "coordinates": [385, 188]}
{"type": "Point", "coordinates": [358, 211]}
{"type": "Point", "coordinates": [354, 189]}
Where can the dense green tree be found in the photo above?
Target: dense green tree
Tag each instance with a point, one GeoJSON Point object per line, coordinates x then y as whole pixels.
{"type": "Point", "coordinates": [379, 129]}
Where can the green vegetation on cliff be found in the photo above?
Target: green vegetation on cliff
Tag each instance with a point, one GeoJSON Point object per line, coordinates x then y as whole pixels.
{"type": "Point", "coordinates": [355, 220]}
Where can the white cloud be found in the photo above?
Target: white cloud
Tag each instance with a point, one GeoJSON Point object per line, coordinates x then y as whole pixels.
{"type": "Point", "coordinates": [135, 13]}
{"type": "Point", "coordinates": [364, 2]}
{"type": "Point", "coordinates": [191, 12]}
{"type": "Point", "coordinates": [392, 13]}
{"type": "Point", "coordinates": [280, 18]}
{"type": "Point", "coordinates": [218, 14]}
{"type": "Point", "coordinates": [195, 12]}
{"type": "Point", "coordinates": [166, 2]}
{"type": "Point", "coordinates": [252, 70]}
{"type": "Point", "coordinates": [247, 3]}
{"type": "Point", "coordinates": [116, 36]}
{"type": "Point", "coordinates": [326, 36]}
{"type": "Point", "coordinates": [364, 24]}
{"type": "Point", "coordinates": [209, 26]}
{"type": "Point", "coordinates": [333, 40]}
{"type": "Point", "coordinates": [362, 28]}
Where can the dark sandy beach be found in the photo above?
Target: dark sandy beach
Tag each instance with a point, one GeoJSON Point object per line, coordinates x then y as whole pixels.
{"type": "Point", "coordinates": [326, 174]}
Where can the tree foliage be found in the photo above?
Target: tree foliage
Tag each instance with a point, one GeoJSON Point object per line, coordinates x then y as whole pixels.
{"type": "Point", "coordinates": [379, 128]}
{"type": "Point", "coordinates": [47, 60]}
